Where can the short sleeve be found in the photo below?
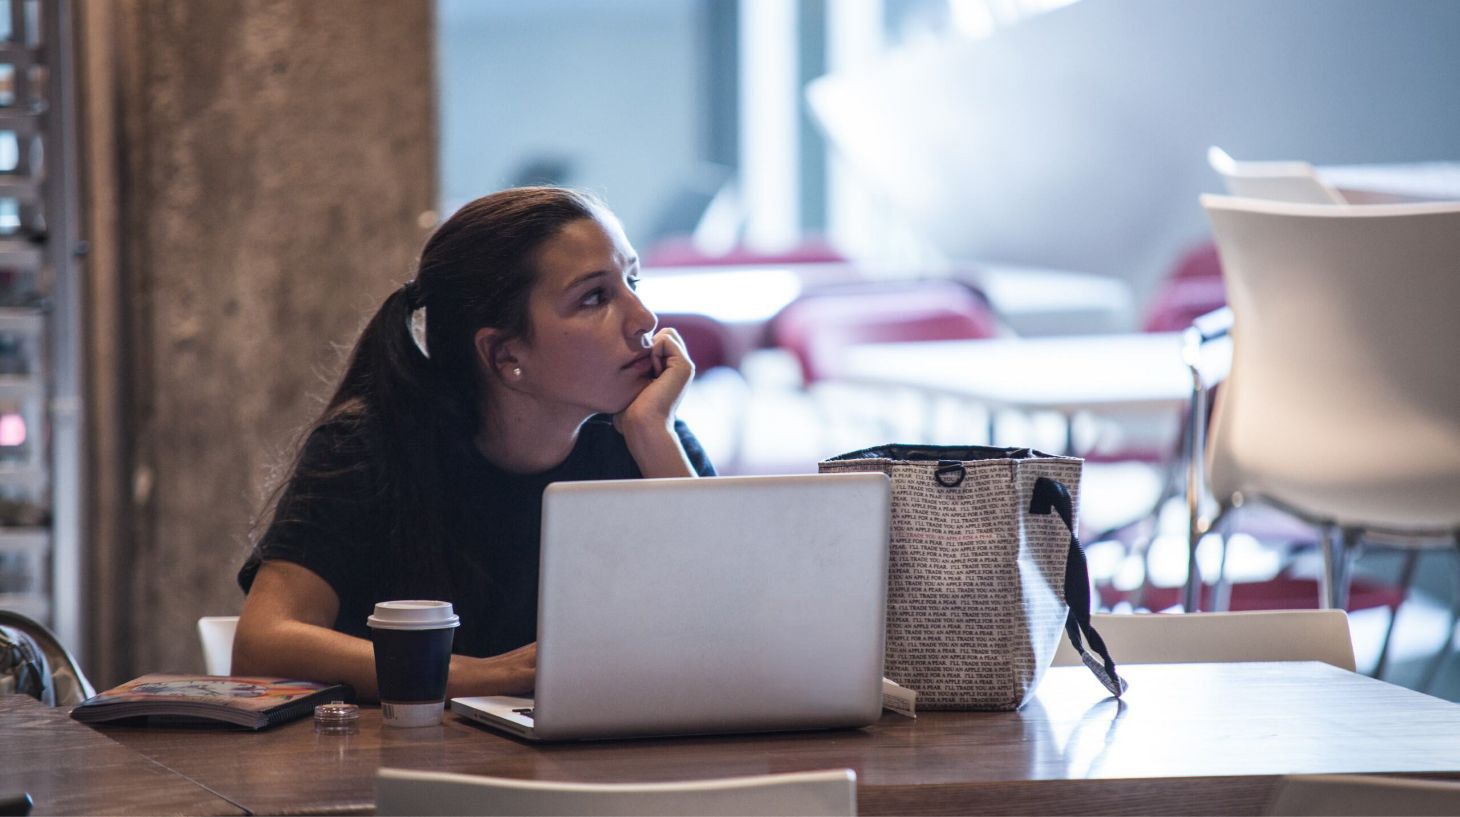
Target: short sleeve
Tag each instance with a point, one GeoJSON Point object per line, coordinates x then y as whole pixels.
{"type": "Point", "coordinates": [692, 448]}
{"type": "Point", "coordinates": [325, 519]}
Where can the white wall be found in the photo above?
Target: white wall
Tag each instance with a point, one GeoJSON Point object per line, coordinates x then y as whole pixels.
{"type": "Point", "coordinates": [611, 86]}
{"type": "Point", "coordinates": [1077, 139]}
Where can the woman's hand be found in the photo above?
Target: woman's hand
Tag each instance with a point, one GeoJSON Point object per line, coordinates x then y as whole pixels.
{"type": "Point", "coordinates": [648, 422]}
{"type": "Point", "coordinates": [654, 408]}
{"type": "Point", "coordinates": [511, 673]}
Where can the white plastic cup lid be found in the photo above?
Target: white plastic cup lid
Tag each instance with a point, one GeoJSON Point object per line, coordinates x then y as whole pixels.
{"type": "Point", "coordinates": [413, 614]}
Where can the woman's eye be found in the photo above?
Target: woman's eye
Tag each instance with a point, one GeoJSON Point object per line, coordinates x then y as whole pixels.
{"type": "Point", "coordinates": [634, 282]}
{"type": "Point", "coordinates": [593, 298]}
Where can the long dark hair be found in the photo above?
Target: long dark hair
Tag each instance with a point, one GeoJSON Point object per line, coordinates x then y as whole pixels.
{"type": "Point", "coordinates": [399, 408]}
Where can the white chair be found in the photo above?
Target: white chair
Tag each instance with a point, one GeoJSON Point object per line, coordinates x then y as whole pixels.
{"type": "Point", "coordinates": [1340, 795]}
{"type": "Point", "coordinates": [1295, 182]}
{"type": "Point", "coordinates": [1342, 405]}
{"type": "Point", "coordinates": [1263, 635]}
{"type": "Point", "coordinates": [216, 633]}
{"type": "Point", "coordinates": [402, 792]}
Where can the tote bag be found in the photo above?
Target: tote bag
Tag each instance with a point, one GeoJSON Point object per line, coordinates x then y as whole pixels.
{"type": "Point", "coordinates": [984, 572]}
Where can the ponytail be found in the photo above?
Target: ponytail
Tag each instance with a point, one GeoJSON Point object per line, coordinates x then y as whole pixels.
{"type": "Point", "coordinates": [404, 403]}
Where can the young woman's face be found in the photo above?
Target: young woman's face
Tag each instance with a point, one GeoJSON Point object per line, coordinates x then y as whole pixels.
{"type": "Point", "coordinates": [588, 349]}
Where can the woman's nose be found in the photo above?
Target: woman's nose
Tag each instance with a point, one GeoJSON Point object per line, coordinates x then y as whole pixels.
{"type": "Point", "coordinates": [642, 320]}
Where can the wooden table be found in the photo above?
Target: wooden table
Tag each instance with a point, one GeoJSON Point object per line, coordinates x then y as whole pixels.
{"type": "Point", "coordinates": [1188, 739]}
{"type": "Point", "coordinates": [68, 768]}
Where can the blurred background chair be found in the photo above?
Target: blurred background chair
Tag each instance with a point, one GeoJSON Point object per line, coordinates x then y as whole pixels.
{"type": "Point", "coordinates": [216, 634]}
{"type": "Point", "coordinates": [1276, 635]}
{"type": "Point", "coordinates": [403, 792]}
{"type": "Point", "coordinates": [41, 664]}
{"type": "Point", "coordinates": [718, 382]}
{"type": "Point", "coordinates": [1343, 795]}
{"type": "Point", "coordinates": [1295, 182]}
{"type": "Point", "coordinates": [1341, 407]}
{"type": "Point", "coordinates": [816, 328]}
{"type": "Point", "coordinates": [1194, 288]}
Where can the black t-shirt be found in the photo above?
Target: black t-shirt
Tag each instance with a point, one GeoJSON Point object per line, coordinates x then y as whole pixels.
{"type": "Point", "coordinates": [335, 524]}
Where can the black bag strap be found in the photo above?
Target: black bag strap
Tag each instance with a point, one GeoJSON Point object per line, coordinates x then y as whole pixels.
{"type": "Point", "coordinates": [1050, 495]}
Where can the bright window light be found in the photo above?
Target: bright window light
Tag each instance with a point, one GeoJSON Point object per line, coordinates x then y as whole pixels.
{"type": "Point", "coordinates": [732, 295]}
{"type": "Point", "coordinates": [977, 19]}
{"type": "Point", "coordinates": [12, 430]}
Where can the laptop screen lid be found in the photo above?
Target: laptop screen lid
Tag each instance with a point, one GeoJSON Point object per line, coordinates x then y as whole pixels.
{"type": "Point", "coordinates": [725, 604]}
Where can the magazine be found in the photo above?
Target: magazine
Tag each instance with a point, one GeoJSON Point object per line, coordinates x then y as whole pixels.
{"type": "Point", "coordinates": [254, 703]}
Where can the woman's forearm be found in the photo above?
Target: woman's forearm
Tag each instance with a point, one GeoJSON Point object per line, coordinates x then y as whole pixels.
{"type": "Point", "coordinates": [294, 649]}
{"type": "Point", "coordinates": [657, 450]}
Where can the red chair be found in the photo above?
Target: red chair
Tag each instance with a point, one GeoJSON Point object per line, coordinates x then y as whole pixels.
{"type": "Point", "coordinates": [716, 353]}
{"type": "Point", "coordinates": [708, 341]}
{"type": "Point", "coordinates": [1193, 289]}
{"type": "Point", "coordinates": [817, 327]}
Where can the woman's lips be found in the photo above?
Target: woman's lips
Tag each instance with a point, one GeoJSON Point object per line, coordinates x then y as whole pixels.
{"type": "Point", "coordinates": [642, 361]}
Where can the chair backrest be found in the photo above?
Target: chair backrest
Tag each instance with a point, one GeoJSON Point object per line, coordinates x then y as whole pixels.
{"type": "Point", "coordinates": [216, 633]}
{"type": "Point", "coordinates": [1295, 182]}
{"type": "Point", "coordinates": [708, 341]}
{"type": "Point", "coordinates": [815, 328]}
{"type": "Point", "coordinates": [1194, 288]}
{"type": "Point", "coordinates": [1341, 795]}
{"type": "Point", "coordinates": [1262, 635]}
{"type": "Point", "coordinates": [399, 791]}
{"type": "Point", "coordinates": [1342, 403]}
{"type": "Point", "coordinates": [66, 685]}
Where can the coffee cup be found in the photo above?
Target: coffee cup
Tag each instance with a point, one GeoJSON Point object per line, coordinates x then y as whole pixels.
{"type": "Point", "coordinates": [412, 656]}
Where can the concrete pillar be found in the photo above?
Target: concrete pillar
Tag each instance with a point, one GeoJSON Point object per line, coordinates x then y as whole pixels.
{"type": "Point", "coordinates": [273, 177]}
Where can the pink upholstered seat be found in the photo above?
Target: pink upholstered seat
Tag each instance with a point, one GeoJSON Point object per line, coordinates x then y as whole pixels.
{"type": "Point", "coordinates": [817, 327]}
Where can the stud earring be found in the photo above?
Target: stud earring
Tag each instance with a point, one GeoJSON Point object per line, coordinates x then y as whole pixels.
{"type": "Point", "coordinates": [517, 371]}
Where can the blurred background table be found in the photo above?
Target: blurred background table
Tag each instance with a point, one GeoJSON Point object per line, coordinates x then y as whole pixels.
{"type": "Point", "coordinates": [1067, 374]}
{"type": "Point", "coordinates": [1386, 183]}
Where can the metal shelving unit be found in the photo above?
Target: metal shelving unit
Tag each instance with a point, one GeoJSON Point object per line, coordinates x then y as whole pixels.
{"type": "Point", "coordinates": [39, 308]}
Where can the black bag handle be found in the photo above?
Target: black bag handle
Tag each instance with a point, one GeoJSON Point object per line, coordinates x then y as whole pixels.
{"type": "Point", "coordinates": [1050, 495]}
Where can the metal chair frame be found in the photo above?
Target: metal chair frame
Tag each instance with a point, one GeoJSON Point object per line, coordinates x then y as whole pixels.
{"type": "Point", "coordinates": [1341, 545]}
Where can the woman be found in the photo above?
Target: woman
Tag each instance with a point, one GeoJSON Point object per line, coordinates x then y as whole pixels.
{"type": "Point", "coordinates": [423, 478]}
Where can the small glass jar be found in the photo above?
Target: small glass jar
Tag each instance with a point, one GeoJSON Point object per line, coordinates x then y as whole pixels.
{"type": "Point", "coordinates": [336, 718]}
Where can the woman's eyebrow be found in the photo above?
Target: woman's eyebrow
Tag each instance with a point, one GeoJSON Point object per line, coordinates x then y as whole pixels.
{"type": "Point", "coordinates": [584, 278]}
{"type": "Point", "coordinates": [588, 276]}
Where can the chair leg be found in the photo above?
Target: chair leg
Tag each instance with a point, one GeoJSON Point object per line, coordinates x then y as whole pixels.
{"type": "Point", "coordinates": [1353, 542]}
{"type": "Point", "coordinates": [1221, 588]}
{"type": "Point", "coordinates": [1406, 578]}
{"type": "Point", "coordinates": [1192, 599]}
{"type": "Point", "coordinates": [1339, 548]}
{"type": "Point", "coordinates": [1432, 670]}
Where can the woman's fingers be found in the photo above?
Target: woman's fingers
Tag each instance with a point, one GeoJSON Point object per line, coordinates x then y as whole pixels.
{"type": "Point", "coordinates": [668, 345]}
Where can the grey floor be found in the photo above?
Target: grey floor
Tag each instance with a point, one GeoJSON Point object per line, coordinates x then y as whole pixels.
{"type": "Point", "coordinates": [1420, 634]}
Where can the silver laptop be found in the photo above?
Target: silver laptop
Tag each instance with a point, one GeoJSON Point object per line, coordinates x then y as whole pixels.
{"type": "Point", "coordinates": [701, 606]}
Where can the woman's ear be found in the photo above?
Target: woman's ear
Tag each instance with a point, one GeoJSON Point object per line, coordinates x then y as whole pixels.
{"type": "Point", "coordinates": [497, 356]}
